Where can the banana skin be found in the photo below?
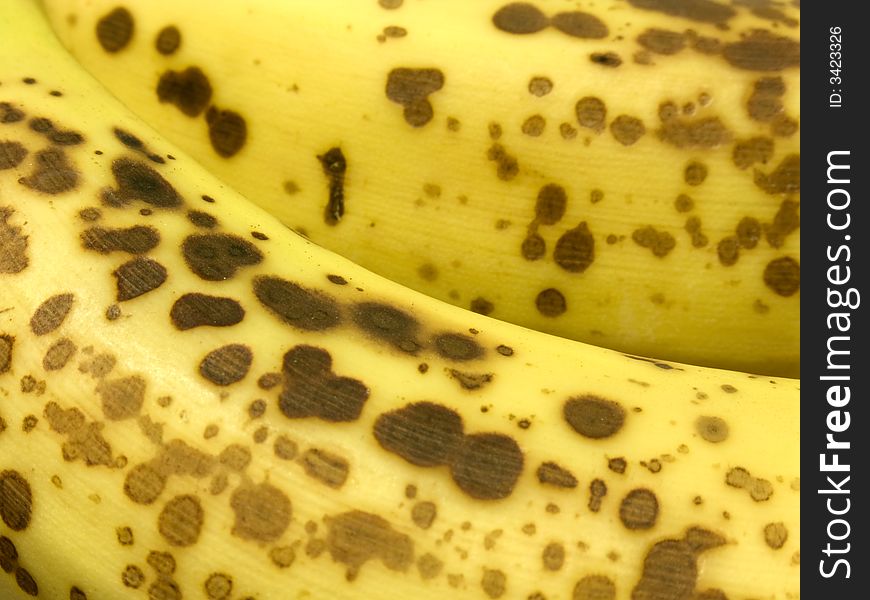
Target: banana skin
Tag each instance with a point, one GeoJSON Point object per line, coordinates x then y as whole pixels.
{"type": "Point", "coordinates": [195, 402]}
{"type": "Point", "coordinates": [624, 173]}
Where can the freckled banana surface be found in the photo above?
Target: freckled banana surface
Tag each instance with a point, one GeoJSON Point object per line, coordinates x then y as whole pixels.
{"type": "Point", "coordinates": [195, 402]}
{"type": "Point", "coordinates": [621, 173]}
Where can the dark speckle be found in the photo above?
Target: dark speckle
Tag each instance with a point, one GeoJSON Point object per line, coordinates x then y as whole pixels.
{"type": "Point", "coordinates": [594, 417]}
{"type": "Point", "coordinates": [196, 310]}
{"type": "Point", "coordinates": [662, 41]}
{"type": "Point", "coordinates": [356, 537]}
{"type": "Point", "coordinates": [627, 130]}
{"type": "Point", "coordinates": [168, 40]}
{"type": "Point", "coordinates": [482, 306]}
{"type": "Point", "coordinates": [56, 136]}
{"type": "Point", "coordinates": [486, 466]}
{"type": "Point", "coordinates": [10, 114]}
{"type": "Point", "coordinates": [53, 173]}
{"type": "Point", "coordinates": [217, 256]}
{"type": "Point", "coordinates": [550, 205]}
{"type": "Point", "coordinates": [712, 429]}
{"type": "Point", "coordinates": [51, 314]}
{"type": "Point", "coordinates": [704, 11]}
{"type": "Point", "coordinates": [6, 344]}
{"type": "Point", "coordinates": [753, 150]}
{"type": "Point", "coordinates": [520, 18]}
{"type": "Point", "coordinates": [763, 51]}
{"type": "Point", "coordinates": [295, 305]}
{"type": "Point", "coordinates": [785, 178]}
{"type": "Point", "coordinates": [227, 131]}
{"type": "Point", "coordinates": [550, 473]}
{"type": "Point", "coordinates": [388, 324]}
{"type": "Point", "coordinates": [606, 59]}
{"type": "Point", "coordinates": [137, 277]}
{"type": "Point", "coordinates": [783, 276]}
{"type": "Point", "coordinates": [115, 30]}
{"type": "Point", "coordinates": [707, 132]}
{"type": "Point", "coordinates": [11, 154]}
{"type": "Point", "coordinates": [189, 90]}
{"type": "Point", "coordinates": [138, 239]}
{"type": "Point", "coordinates": [226, 365]}
{"type": "Point", "coordinates": [596, 587]}
{"type": "Point", "coordinates": [313, 390]}
{"type": "Point", "coordinates": [551, 302]}
{"type": "Point", "coordinates": [16, 500]}
{"type": "Point", "coordinates": [334, 166]}
{"type": "Point", "coordinates": [458, 347]}
{"type": "Point", "coordinates": [138, 181]}
{"type": "Point", "coordinates": [575, 249]}
{"type": "Point", "coordinates": [591, 113]}
{"type": "Point", "coordinates": [639, 509]}
{"type": "Point", "coordinates": [411, 88]}
{"type": "Point", "coordinates": [202, 219]}
{"type": "Point", "coordinates": [660, 242]}
{"type": "Point", "coordinates": [424, 434]}
{"type": "Point", "coordinates": [580, 24]}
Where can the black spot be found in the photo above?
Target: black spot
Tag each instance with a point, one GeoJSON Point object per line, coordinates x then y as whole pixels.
{"type": "Point", "coordinates": [11, 154]}
{"type": "Point", "coordinates": [411, 88]}
{"type": "Point", "coordinates": [334, 166]}
{"type": "Point", "coordinates": [662, 41]}
{"type": "Point", "coordinates": [217, 256]}
{"type": "Point", "coordinates": [227, 131]}
{"type": "Point", "coordinates": [189, 90]}
{"type": "Point", "coordinates": [227, 364]}
{"type": "Point", "coordinates": [639, 509]}
{"type": "Point", "coordinates": [520, 18]}
{"type": "Point", "coordinates": [551, 302]}
{"type": "Point", "coordinates": [606, 59]}
{"type": "Point", "coordinates": [295, 305]}
{"type": "Point", "coordinates": [6, 344]}
{"type": "Point", "coordinates": [591, 113]}
{"type": "Point", "coordinates": [424, 433]}
{"type": "Point", "coordinates": [580, 24]}
{"type": "Point", "coordinates": [10, 114]}
{"type": "Point", "coordinates": [16, 500]}
{"type": "Point", "coordinates": [594, 417]}
{"type": "Point", "coordinates": [533, 247]}
{"type": "Point", "coordinates": [763, 51]}
{"type": "Point", "coordinates": [575, 249]}
{"type": "Point", "coordinates": [115, 30]}
{"type": "Point", "coordinates": [783, 276]}
{"type": "Point", "coordinates": [138, 239]}
{"type": "Point", "coordinates": [486, 466]}
{"type": "Point", "coordinates": [139, 181]}
{"type": "Point", "coordinates": [388, 324]}
{"type": "Point", "coordinates": [202, 219]}
{"type": "Point", "coordinates": [337, 279]}
{"type": "Point", "coordinates": [196, 310]}
{"type": "Point", "coordinates": [168, 40]}
{"type": "Point", "coordinates": [550, 204]}
{"type": "Point", "coordinates": [458, 347]}
{"type": "Point", "coordinates": [51, 314]}
{"type": "Point", "coordinates": [54, 135]}
{"type": "Point", "coordinates": [549, 473]}
{"type": "Point", "coordinates": [313, 390]}
{"type": "Point", "coordinates": [52, 174]}
{"type": "Point", "coordinates": [704, 11]}
{"type": "Point", "coordinates": [138, 276]}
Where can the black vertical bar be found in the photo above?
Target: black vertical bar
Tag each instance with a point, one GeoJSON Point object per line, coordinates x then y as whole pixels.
{"type": "Point", "coordinates": [835, 562]}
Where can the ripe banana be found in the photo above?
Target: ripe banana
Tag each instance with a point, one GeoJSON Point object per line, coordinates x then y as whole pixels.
{"type": "Point", "coordinates": [625, 174]}
{"type": "Point", "coordinates": [195, 402]}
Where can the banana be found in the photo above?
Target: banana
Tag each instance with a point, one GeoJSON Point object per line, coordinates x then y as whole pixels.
{"type": "Point", "coordinates": [625, 174]}
{"type": "Point", "coordinates": [196, 402]}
